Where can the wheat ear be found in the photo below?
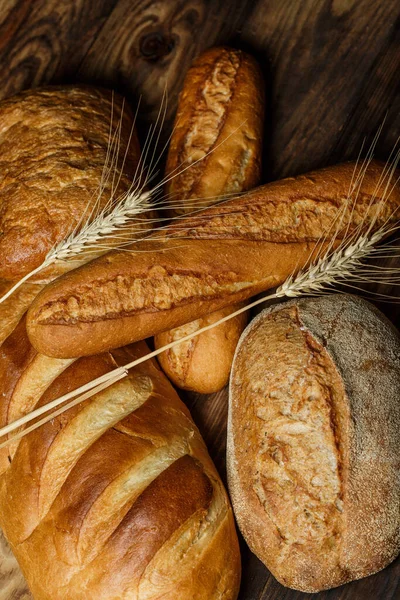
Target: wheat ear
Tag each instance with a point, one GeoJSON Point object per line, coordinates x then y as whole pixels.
{"type": "Point", "coordinates": [334, 267]}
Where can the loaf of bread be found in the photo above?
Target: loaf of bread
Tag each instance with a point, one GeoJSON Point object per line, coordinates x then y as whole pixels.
{"type": "Point", "coordinates": [204, 262]}
{"type": "Point", "coordinates": [53, 147]}
{"type": "Point", "coordinates": [12, 309]}
{"type": "Point", "coordinates": [117, 497]}
{"type": "Point", "coordinates": [314, 440]}
{"type": "Point", "coordinates": [203, 363]}
{"type": "Point", "coordinates": [220, 121]}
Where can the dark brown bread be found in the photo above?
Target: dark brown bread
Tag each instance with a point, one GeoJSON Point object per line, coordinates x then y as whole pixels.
{"type": "Point", "coordinates": [118, 496]}
{"type": "Point", "coordinates": [314, 440]}
{"type": "Point", "coordinates": [229, 252]}
{"type": "Point", "coordinates": [53, 148]}
{"type": "Point", "coordinates": [220, 111]}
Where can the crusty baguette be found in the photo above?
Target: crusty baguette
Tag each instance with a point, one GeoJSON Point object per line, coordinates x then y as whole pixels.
{"type": "Point", "coordinates": [314, 440]}
{"type": "Point", "coordinates": [220, 111]}
{"type": "Point", "coordinates": [53, 145]}
{"type": "Point", "coordinates": [117, 497]}
{"type": "Point", "coordinates": [223, 255]}
{"type": "Point", "coordinates": [219, 120]}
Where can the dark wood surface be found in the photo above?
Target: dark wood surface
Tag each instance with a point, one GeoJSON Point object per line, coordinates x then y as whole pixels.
{"type": "Point", "coordinates": [332, 76]}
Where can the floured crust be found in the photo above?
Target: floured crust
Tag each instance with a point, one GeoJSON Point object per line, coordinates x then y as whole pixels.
{"type": "Point", "coordinates": [314, 487]}
{"type": "Point", "coordinates": [53, 145]}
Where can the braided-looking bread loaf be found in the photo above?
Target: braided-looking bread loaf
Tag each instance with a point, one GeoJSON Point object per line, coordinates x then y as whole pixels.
{"type": "Point", "coordinates": [117, 498]}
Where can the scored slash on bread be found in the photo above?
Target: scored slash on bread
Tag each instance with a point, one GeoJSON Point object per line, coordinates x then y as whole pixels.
{"type": "Point", "coordinates": [220, 256]}
{"type": "Point", "coordinates": [314, 440]}
{"type": "Point", "coordinates": [116, 495]}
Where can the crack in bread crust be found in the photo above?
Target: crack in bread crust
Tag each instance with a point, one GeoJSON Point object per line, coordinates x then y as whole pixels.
{"type": "Point", "coordinates": [295, 219]}
{"type": "Point", "coordinates": [208, 117]}
{"type": "Point", "coordinates": [128, 295]}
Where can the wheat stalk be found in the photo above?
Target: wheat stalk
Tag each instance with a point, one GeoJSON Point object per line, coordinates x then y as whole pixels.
{"type": "Point", "coordinates": [117, 218]}
{"type": "Point", "coordinates": [345, 263]}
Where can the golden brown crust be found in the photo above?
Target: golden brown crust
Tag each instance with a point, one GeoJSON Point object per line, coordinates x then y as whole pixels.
{"type": "Point", "coordinates": [118, 496]}
{"type": "Point", "coordinates": [53, 146]}
{"type": "Point", "coordinates": [221, 109]}
{"type": "Point", "coordinates": [203, 363]}
{"type": "Point", "coordinates": [220, 113]}
{"type": "Point", "coordinates": [12, 309]}
{"type": "Point", "coordinates": [314, 487]}
{"type": "Point", "coordinates": [228, 253]}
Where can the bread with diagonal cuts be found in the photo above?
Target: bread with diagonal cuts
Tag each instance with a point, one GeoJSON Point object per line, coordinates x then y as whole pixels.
{"type": "Point", "coordinates": [204, 262]}
{"type": "Point", "coordinates": [117, 497]}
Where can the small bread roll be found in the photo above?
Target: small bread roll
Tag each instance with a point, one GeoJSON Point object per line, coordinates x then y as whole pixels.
{"type": "Point", "coordinates": [203, 363]}
{"type": "Point", "coordinates": [314, 440]}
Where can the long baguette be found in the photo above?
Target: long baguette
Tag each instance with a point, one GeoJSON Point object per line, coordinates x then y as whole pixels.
{"type": "Point", "coordinates": [223, 255]}
{"type": "Point", "coordinates": [220, 112]}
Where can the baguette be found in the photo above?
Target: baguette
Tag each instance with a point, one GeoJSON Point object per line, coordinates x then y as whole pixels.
{"type": "Point", "coordinates": [117, 497]}
{"type": "Point", "coordinates": [53, 145]}
{"type": "Point", "coordinates": [226, 254]}
{"type": "Point", "coordinates": [314, 440]}
{"type": "Point", "coordinates": [219, 123]}
{"type": "Point", "coordinates": [220, 111]}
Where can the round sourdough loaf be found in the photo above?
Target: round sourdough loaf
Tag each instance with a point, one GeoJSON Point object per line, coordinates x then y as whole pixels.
{"type": "Point", "coordinates": [314, 440]}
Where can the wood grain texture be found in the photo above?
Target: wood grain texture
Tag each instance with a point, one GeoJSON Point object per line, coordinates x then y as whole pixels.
{"type": "Point", "coordinates": [332, 76]}
{"type": "Point", "coordinates": [45, 41]}
{"type": "Point", "coordinates": [156, 46]}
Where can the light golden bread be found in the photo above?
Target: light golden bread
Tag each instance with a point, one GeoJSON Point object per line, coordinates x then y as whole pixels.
{"type": "Point", "coordinates": [220, 113]}
{"type": "Point", "coordinates": [224, 255]}
{"type": "Point", "coordinates": [203, 363]}
{"type": "Point", "coordinates": [117, 497]}
{"type": "Point", "coordinates": [313, 451]}
{"type": "Point", "coordinates": [53, 147]}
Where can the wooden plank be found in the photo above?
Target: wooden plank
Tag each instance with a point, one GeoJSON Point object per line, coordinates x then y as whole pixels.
{"type": "Point", "coordinates": [333, 75]}
{"type": "Point", "coordinates": [46, 41]}
{"type": "Point", "coordinates": [156, 46]}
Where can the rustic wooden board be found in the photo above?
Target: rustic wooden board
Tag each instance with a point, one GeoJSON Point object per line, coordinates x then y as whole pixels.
{"type": "Point", "coordinates": [331, 69]}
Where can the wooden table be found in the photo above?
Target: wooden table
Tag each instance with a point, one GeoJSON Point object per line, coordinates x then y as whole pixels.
{"type": "Point", "coordinates": [332, 75]}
